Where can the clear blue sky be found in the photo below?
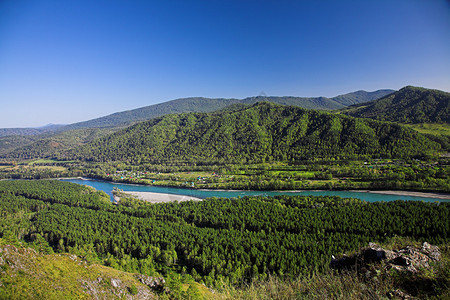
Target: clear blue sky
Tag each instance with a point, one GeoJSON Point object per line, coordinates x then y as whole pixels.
{"type": "Point", "coordinates": [68, 61]}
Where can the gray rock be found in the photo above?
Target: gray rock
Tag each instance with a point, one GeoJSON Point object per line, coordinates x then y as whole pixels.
{"type": "Point", "coordinates": [116, 282]}
{"type": "Point", "coordinates": [431, 251]}
{"type": "Point", "coordinates": [152, 282]}
{"type": "Point", "coordinates": [408, 259]}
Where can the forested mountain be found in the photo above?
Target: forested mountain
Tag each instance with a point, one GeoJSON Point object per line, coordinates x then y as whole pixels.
{"type": "Point", "coordinates": [9, 143]}
{"type": "Point", "coordinates": [44, 145]}
{"type": "Point", "coordinates": [262, 132]}
{"type": "Point", "coordinates": [32, 142]}
{"type": "Point", "coordinates": [411, 105]}
{"type": "Point", "coordinates": [19, 131]}
{"type": "Point", "coordinates": [199, 104]}
{"type": "Point", "coordinates": [361, 97]}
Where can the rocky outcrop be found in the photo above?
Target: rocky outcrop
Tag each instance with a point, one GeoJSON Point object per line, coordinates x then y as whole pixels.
{"type": "Point", "coordinates": [27, 274]}
{"type": "Point", "coordinates": [375, 263]}
{"type": "Point", "coordinates": [408, 259]}
{"type": "Point", "coordinates": [155, 283]}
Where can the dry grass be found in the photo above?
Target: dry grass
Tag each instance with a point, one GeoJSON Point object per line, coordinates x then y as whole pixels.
{"type": "Point", "coordinates": [329, 286]}
{"type": "Point", "coordinates": [433, 283]}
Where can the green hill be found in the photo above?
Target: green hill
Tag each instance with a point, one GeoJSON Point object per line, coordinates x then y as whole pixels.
{"type": "Point", "coordinates": [262, 132]}
{"type": "Point", "coordinates": [410, 105]}
{"type": "Point", "coordinates": [361, 97]}
{"type": "Point", "coordinates": [10, 143]}
{"type": "Point", "coordinates": [199, 104]}
{"type": "Point", "coordinates": [45, 145]}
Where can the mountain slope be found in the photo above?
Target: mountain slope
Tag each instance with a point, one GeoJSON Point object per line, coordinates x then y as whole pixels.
{"type": "Point", "coordinates": [21, 131]}
{"type": "Point", "coordinates": [9, 143]}
{"type": "Point", "coordinates": [262, 132]}
{"type": "Point", "coordinates": [44, 145]}
{"type": "Point", "coordinates": [410, 105]}
{"type": "Point", "coordinates": [199, 104]}
{"type": "Point", "coordinates": [149, 112]}
{"type": "Point", "coordinates": [29, 131]}
{"type": "Point", "coordinates": [361, 97]}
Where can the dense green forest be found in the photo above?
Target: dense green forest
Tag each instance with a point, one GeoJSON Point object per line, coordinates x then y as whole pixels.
{"type": "Point", "coordinates": [409, 105]}
{"type": "Point", "coordinates": [215, 240]}
{"type": "Point", "coordinates": [262, 132]}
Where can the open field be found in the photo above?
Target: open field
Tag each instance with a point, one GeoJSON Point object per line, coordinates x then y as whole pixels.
{"type": "Point", "coordinates": [434, 129]}
{"type": "Point", "coordinates": [46, 161]}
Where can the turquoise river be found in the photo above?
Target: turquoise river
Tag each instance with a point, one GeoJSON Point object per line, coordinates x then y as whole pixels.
{"type": "Point", "coordinates": [366, 196]}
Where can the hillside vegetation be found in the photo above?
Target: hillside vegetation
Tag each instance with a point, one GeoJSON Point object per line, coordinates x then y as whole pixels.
{"type": "Point", "coordinates": [262, 132]}
{"type": "Point", "coordinates": [410, 105]}
{"type": "Point", "coordinates": [45, 145]}
{"type": "Point", "coordinates": [28, 274]}
{"type": "Point", "coordinates": [29, 131]}
{"type": "Point", "coordinates": [10, 143]}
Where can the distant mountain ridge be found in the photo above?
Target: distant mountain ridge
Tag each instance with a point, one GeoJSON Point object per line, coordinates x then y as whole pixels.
{"type": "Point", "coordinates": [409, 105]}
{"type": "Point", "coordinates": [51, 126]}
{"type": "Point", "coordinates": [361, 97]}
{"type": "Point", "coordinates": [31, 131]}
{"type": "Point", "coordinates": [20, 131]}
{"type": "Point", "coordinates": [46, 140]}
{"type": "Point", "coordinates": [199, 104]}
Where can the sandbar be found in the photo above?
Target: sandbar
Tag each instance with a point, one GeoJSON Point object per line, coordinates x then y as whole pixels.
{"type": "Point", "coordinates": [414, 194]}
{"type": "Point", "coordinates": [159, 197]}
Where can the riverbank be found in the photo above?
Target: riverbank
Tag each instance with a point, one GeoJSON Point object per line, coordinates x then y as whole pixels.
{"type": "Point", "coordinates": [363, 194]}
{"type": "Point", "coordinates": [413, 194]}
{"type": "Point", "coordinates": [163, 197]}
{"type": "Point", "coordinates": [156, 197]}
{"type": "Point", "coordinates": [382, 192]}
